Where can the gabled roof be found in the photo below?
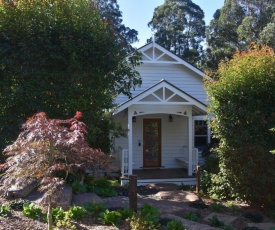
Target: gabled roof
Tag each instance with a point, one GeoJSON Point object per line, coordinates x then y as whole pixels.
{"type": "Point", "coordinates": [154, 53]}
{"type": "Point", "coordinates": [164, 93]}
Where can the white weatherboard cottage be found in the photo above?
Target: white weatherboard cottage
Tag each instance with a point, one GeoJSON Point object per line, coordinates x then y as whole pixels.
{"type": "Point", "coordinates": [165, 119]}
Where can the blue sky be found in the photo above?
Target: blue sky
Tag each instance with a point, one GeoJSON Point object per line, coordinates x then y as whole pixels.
{"type": "Point", "coordinates": [137, 13]}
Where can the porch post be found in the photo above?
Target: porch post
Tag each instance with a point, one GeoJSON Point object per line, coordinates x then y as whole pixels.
{"type": "Point", "coordinates": [130, 141]}
{"type": "Point", "coordinates": [190, 142]}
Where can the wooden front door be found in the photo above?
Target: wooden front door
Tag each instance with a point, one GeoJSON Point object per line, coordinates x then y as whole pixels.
{"type": "Point", "coordinates": [152, 142]}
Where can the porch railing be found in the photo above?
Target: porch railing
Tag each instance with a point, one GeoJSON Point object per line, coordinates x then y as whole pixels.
{"type": "Point", "coordinates": [195, 159]}
{"type": "Point", "coordinates": [125, 162]}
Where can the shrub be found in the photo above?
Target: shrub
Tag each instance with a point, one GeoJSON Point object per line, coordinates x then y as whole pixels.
{"type": "Point", "coordinates": [76, 212]}
{"type": "Point", "coordinates": [18, 204]}
{"type": "Point", "coordinates": [216, 206]}
{"type": "Point", "coordinates": [110, 217]}
{"type": "Point", "coordinates": [147, 218]}
{"type": "Point", "coordinates": [58, 214]}
{"type": "Point", "coordinates": [191, 216]}
{"type": "Point", "coordinates": [4, 210]}
{"type": "Point", "coordinates": [215, 222]}
{"type": "Point", "coordinates": [30, 210]}
{"type": "Point", "coordinates": [242, 98]}
{"type": "Point", "coordinates": [175, 225]}
{"type": "Point", "coordinates": [94, 207]}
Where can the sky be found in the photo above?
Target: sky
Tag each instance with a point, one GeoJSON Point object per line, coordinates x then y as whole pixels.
{"type": "Point", "coordinates": [137, 13]}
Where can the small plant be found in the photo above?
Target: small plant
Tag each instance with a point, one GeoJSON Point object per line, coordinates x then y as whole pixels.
{"type": "Point", "coordinates": [254, 216]}
{"type": "Point", "coordinates": [94, 207]}
{"type": "Point", "coordinates": [191, 216]}
{"type": "Point", "coordinates": [175, 225]}
{"type": "Point", "coordinates": [215, 222]}
{"type": "Point", "coordinates": [78, 187]}
{"type": "Point", "coordinates": [110, 217]}
{"type": "Point", "coordinates": [147, 218]}
{"type": "Point", "coordinates": [31, 211]}
{"type": "Point", "coordinates": [231, 205]}
{"type": "Point", "coordinates": [126, 213]}
{"type": "Point", "coordinates": [216, 206]}
{"type": "Point", "coordinates": [4, 210]}
{"type": "Point", "coordinates": [17, 204]}
{"type": "Point", "coordinates": [58, 214]}
{"type": "Point", "coordinates": [76, 212]}
{"type": "Point", "coordinates": [164, 221]}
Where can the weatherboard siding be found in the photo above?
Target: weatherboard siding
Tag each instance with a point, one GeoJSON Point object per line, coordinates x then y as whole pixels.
{"type": "Point", "coordinates": [176, 74]}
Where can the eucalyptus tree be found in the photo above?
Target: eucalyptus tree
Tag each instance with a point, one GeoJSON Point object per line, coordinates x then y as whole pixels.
{"type": "Point", "coordinates": [110, 11]}
{"type": "Point", "coordinates": [236, 25]}
{"type": "Point", "coordinates": [57, 57]}
{"type": "Point", "coordinates": [180, 28]}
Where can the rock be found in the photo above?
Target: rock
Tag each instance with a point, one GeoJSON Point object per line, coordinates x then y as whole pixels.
{"type": "Point", "coordinates": [82, 198]}
{"type": "Point", "coordinates": [22, 191]}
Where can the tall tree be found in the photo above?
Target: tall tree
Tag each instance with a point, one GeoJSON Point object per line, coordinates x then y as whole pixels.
{"type": "Point", "coordinates": [180, 28]}
{"type": "Point", "coordinates": [236, 25]}
{"type": "Point", "coordinates": [110, 11]}
{"type": "Point", "coordinates": [57, 57]}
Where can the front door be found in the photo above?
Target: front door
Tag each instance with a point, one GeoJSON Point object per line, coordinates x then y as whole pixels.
{"type": "Point", "coordinates": [152, 142]}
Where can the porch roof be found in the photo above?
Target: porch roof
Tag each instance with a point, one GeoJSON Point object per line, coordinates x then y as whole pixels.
{"type": "Point", "coordinates": [164, 93]}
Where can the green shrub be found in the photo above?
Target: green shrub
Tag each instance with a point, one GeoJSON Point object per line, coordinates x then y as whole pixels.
{"type": "Point", "coordinates": [216, 206]}
{"type": "Point", "coordinates": [17, 204]}
{"type": "Point", "coordinates": [191, 216]}
{"type": "Point", "coordinates": [76, 212]}
{"type": "Point", "coordinates": [31, 211]}
{"type": "Point", "coordinates": [147, 218]}
{"type": "Point", "coordinates": [175, 225]}
{"type": "Point", "coordinates": [4, 210]}
{"type": "Point", "coordinates": [94, 207]}
{"type": "Point", "coordinates": [126, 213]}
{"type": "Point", "coordinates": [242, 97]}
{"type": "Point", "coordinates": [58, 214]}
{"type": "Point", "coordinates": [215, 222]}
{"type": "Point", "coordinates": [110, 217]}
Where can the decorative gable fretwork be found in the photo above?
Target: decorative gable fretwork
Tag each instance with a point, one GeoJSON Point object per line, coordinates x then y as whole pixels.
{"type": "Point", "coordinates": [163, 95]}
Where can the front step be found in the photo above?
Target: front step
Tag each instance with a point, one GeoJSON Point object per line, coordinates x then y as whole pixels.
{"type": "Point", "coordinates": [178, 181]}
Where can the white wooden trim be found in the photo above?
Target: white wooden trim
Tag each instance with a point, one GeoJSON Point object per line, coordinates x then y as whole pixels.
{"type": "Point", "coordinates": [130, 140]}
{"type": "Point", "coordinates": [190, 143]}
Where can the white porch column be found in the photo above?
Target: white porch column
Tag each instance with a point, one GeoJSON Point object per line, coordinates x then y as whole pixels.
{"type": "Point", "coordinates": [130, 141]}
{"type": "Point", "coordinates": [190, 142]}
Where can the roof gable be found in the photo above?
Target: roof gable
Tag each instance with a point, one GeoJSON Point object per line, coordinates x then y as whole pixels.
{"type": "Point", "coordinates": [154, 53]}
{"type": "Point", "coordinates": [163, 93]}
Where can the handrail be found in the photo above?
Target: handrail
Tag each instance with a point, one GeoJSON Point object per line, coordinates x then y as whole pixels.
{"type": "Point", "coordinates": [125, 162]}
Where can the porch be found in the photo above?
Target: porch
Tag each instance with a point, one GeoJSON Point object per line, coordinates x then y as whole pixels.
{"type": "Point", "coordinates": [149, 175]}
{"type": "Point", "coordinates": [161, 175]}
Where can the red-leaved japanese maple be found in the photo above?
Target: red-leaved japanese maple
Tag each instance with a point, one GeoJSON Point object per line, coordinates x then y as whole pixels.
{"type": "Point", "coordinates": [46, 146]}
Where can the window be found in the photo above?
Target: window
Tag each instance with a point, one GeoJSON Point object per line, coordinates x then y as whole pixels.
{"type": "Point", "coordinates": [200, 134]}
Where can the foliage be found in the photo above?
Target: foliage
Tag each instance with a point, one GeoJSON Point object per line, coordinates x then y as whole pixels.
{"type": "Point", "coordinates": [46, 146]}
{"type": "Point", "coordinates": [191, 216]}
{"type": "Point", "coordinates": [58, 214]}
{"type": "Point", "coordinates": [4, 210]}
{"type": "Point", "coordinates": [18, 204]}
{"type": "Point", "coordinates": [76, 212]}
{"type": "Point", "coordinates": [217, 206]}
{"type": "Point", "coordinates": [100, 186]}
{"type": "Point", "coordinates": [126, 213]}
{"type": "Point", "coordinates": [236, 25]}
{"type": "Point", "coordinates": [180, 28]}
{"type": "Point", "coordinates": [242, 97]}
{"type": "Point", "coordinates": [215, 222]}
{"type": "Point", "coordinates": [32, 211]}
{"type": "Point", "coordinates": [175, 225]}
{"type": "Point", "coordinates": [255, 217]}
{"type": "Point", "coordinates": [146, 218]}
{"type": "Point", "coordinates": [110, 217]}
{"type": "Point", "coordinates": [60, 56]}
{"type": "Point", "coordinates": [94, 207]}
